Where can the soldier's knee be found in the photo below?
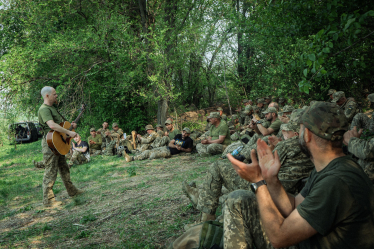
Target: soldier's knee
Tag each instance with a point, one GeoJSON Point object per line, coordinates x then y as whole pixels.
{"type": "Point", "coordinates": [240, 198]}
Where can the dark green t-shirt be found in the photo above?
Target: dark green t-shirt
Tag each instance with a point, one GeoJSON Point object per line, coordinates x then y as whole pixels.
{"type": "Point", "coordinates": [174, 133]}
{"type": "Point", "coordinates": [221, 130]}
{"type": "Point", "coordinates": [47, 113]}
{"type": "Point", "coordinates": [98, 140]}
{"type": "Point", "coordinates": [276, 126]}
{"type": "Point", "coordinates": [339, 204]}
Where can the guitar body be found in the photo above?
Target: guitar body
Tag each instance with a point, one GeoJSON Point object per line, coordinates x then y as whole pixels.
{"type": "Point", "coordinates": [58, 142]}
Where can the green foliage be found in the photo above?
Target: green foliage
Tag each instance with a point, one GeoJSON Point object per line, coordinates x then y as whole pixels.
{"type": "Point", "coordinates": [83, 234]}
{"type": "Point", "coordinates": [87, 218]}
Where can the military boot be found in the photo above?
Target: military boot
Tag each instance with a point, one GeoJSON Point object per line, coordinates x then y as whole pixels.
{"type": "Point", "coordinates": [191, 192]}
{"type": "Point", "coordinates": [127, 157]}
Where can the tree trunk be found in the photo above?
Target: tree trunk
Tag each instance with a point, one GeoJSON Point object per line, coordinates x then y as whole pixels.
{"type": "Point", "coordinates": [161, 111]}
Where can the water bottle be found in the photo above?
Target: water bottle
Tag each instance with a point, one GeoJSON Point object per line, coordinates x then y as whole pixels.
{"type": "Point", "coordinates": [237, 151]}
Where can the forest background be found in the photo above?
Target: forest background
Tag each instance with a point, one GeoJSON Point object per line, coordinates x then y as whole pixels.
{"type": "Point", "coordinates": [129, 60]}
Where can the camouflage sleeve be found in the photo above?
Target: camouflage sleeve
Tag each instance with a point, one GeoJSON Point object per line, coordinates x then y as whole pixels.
{"type": "Point", "coordinates": [120, 132]}
{"type": "Point", "coordinates": [350, 111]}
{"type": "Point", "coordinates": [361, 148]}
{"type": "Point", "coordinates": [247, 119]}
{"type": "Point", "coordinates": [287, 149]}
{"type": "Point", "coordinates": [281, 148]}
{"type": "Point", "coordinates": [149, 139]}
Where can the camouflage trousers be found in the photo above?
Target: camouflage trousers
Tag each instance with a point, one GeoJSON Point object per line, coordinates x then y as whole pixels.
{"type": "Point", "coordinates": [161, 142]}
{"type": "Point", "coordinates": [362, 121]}
{"type": "Point", "coordinates": [109, 148]}
{"type": "Point", "coordinates": [161, 152]}
{"type": "Point", "coordinates": [252, 144]}
{"type": "Point", "coordinates": [141, 148]}
{"type": "Point", "coordinates": [54, 164]}
{"type": "Point", "coordinates": [242, 224]}
{"type": "Point", "coordinates": [209, 149]}
{"type": "Point", "coordinates": [94, 152]}
{"type": "Point", "coordinates": [221, 173]}
{"type": "Point", "coordinates": [232, 147]}
{"type": "Point", "coordinates": [76, 157]}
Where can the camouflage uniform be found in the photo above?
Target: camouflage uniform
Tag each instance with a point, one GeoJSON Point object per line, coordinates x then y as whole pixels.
{"type": "Point", "coordinates": [349, 106]}
{"type": "Point", "coordinates": [79, 157]}
{"type": "Point", "coordinates": [146, 141]}
{"type": "Point", "coordinates": [116, 137]}
{"type": "Point", "coordinates": [54, 164]}
{"type": "Point", "coordinates": [104, 137]}
{"type": "Point", "coordinates": [364, 150]}
{"type": "Point", "coordinates": [209, 149]}
{"type": "Point", "coordinates": [362, 121]}
{"type": "Point", "coordinates": [154, 153]}
{"type": "Point", "coordinates": [242, 223]}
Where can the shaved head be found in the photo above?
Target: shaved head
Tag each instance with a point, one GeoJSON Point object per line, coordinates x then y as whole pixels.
{"type": "Point", "coordinates": [46, 90]}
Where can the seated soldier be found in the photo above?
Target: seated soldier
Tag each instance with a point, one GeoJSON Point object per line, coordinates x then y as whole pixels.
{"type": "Point", "coordinates": [349, 106]}
{"type": "Point", "coordinates": [335, 209]}
{"type": "Point", "coordinates": [218, 139]}
{"type": "Point", "coordinates": [286, 113]}
{"type": "Point", "coordinates": [180, 143]}
{"type": "Point", "coordinates": [115, 136]}
{"type": "Point", "coordinates": [162, 138]}
{"type": "Point", "coordinates": [296, 166]}
{"type": "Point", "coordinates": [362, 121]}
{"type": "Point", "coordinates": [172, 131]}
{"type": "Point", "coordinates": [79, 153]}
{"type": "Point", "coordinates": [101, 131]}
{"type": "Point", "coordinates": [95, 142]}
{"type": "Point", "coordinates": [146, 140]}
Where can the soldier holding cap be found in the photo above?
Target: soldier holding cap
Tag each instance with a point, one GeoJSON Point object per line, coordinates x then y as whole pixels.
{"type": "Point", "coordinates": [335, 209]}
{"type": "Point", "coordinates": [349, 106]}
{"type": "Point", "coordinates": [219, 137]}
{"type": "Point", "coordinates": [95, 142]}
{"type": "Point", "coordinates": [180, 143]}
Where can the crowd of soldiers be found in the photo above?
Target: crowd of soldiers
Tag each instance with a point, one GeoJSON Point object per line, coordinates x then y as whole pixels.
{"type": "Point", "coordinates": [267, 126]}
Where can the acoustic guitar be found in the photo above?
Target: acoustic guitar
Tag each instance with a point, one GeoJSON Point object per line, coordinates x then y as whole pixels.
{"type": "Point", "coordinates": [58, 142]}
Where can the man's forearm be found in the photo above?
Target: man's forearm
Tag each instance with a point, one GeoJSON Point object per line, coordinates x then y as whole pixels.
{"type": "Point", "coordinates": [217, 141]}
{"type": "Point", "coordinates": [284, 202]}
{"type": "Point", "coordinates": [57, 127]}
{"type": "Point", "coordinates": [262, 129]}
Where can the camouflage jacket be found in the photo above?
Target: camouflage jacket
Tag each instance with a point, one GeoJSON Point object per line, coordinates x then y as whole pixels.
{"type": "Point", "coordinates": [364, 150]}
{"type": "Point", "coordinates": [295, 165]}
{"type": "Point", "coordinates": [102, 132]}
{"type": "Point", "coordinates": [149, 138]}
{"type": "Point", "coordinates": [116, 134]}
{"type": "Point", "coordinates": [350, 109]}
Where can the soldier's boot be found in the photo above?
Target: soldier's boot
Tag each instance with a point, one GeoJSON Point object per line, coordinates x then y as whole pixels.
{"type": "Point", "coordinates": [203, 217]}
{"type": "Point", "coordinates": [51, 203]}
{"type": "Point", "coordinates": [191, 192]}
{"type": "Point", "coordinates": [79, 191]}
{"type": "Point", "coordinates": [127, 157]}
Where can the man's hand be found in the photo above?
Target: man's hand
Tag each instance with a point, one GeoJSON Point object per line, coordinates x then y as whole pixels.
{"type": "Point", "coordinates": [352, 133]}
{"type": "Point", "coordinates": [178, 147]}
{"type": "Point", "coordinates": [139, 136]}
{"type": "Point", "coordinates": [273, 140]}
{"type": "Point", "coordinates": [269, 163]}
{"type": "Point", "coordinates": [252, 125]}
{"type": "Point", "coordinates": [74, 125]}
{"type": "Point", "coordinates": [249, 172]}
{"type": "Point", "coordinates": [205, 141]}
{"type": "Point", "coordinates": [72, 134]}
{"type": "Point", "coordinates": [284, 119]}
{"type": "Point", "coordinates": [91, 142]}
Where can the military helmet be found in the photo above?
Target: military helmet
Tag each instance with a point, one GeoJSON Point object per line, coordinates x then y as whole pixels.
{"type": "Point", "coordinates": [324, 120]}
{"type": "Point", "coordinates": [371, 97]}
{"type": "Point", "coordinates": [149, 127]}
{"type": "Point", "coordinates": [331, 91]}
{"type": "Point", "coordinates": [337, 95]}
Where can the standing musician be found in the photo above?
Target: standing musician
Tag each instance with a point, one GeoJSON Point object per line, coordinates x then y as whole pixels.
{"type": "Point", "coordinates": [49, 119]}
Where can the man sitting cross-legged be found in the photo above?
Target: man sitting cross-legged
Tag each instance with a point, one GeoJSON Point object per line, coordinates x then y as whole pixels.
{"type": "Point", "coordinates": [180, 143]}
{"type": "Point", "coordinates": [296, 166]}
{"type": "Point", "coordinates": [145, 141]}
{"type": "Point", "coordinates": [219, 137]}
{"type": "Point", "coordinates": [335, 209]}
{"type": "Point", "coordinates": [80, 152]}
{"type": "Point", "coordinates": [95, 141]}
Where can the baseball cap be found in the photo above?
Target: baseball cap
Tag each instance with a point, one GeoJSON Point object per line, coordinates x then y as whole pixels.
{"type": "Point", "coordinates": [331, 91]}
{"type": "Point", "coordinates": [214, 115]}
{"type": "Point", "coordinates": [168, 122]}
{"type": "Point", "coordinates": [337, 95]}
{"type": "Point", "coordinates": [114, 125]}
{"type": "Point", "coordinates": [187, 130]}
{"type": "Point", "coordinates": [149, 127]}
{"type": "Point", "coordinates": [92, 129]}
{"type": "Point", "coordinates": [270, 109]}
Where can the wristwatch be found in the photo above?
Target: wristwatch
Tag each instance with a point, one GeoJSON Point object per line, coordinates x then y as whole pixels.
{"type": "Point", "coordinates": [259, 122]}
{"type": "Point", "coordinates": [255, 186]}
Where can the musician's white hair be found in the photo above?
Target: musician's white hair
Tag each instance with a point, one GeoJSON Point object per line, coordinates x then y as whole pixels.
{"type": "Point", "coordinates": [46, 90]}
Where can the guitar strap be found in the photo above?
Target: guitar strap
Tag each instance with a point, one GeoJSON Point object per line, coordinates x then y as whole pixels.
{"type": "Point", "coordinates": [61, 115]}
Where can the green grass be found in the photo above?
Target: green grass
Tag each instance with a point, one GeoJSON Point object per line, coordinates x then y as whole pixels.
{"type": "Point", "coordinates": [125, 205]}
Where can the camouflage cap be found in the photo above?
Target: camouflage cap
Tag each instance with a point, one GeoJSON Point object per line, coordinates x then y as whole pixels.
{"type": "Point", "coordinates": [232, 127]}
{"type": "Point", "coordinates": [214, 115]}
{"type": "Point", "coordinates": [246, 111]}
{"type": "Point", "coordinates": [92, 129]}
{"type": "Point", "coordinates": [324, 119]}
{"type": "Point", "coordinates": [261, 101]}
{"type": "Point", "coordinates": [187, 130]}
{"type": "Point", "coordinates": [245, 101]}
{"type": "Point", "coordinates": [168, 122]}
{"type": "Point", "coordinates": [255, 108]}
{"type": "Point", "coordinates": [219, 109]}
{"type": "Point", "coordinates": [234, 116]}
{"type": "Point", "coordinates": [271, 110]}
{"type": "Point", "coordinates": [331, 91]}
{"type": "Point", "coordinates": [114, 125]}
{"type": "Point", "coordinates": [288, 108]}
{"type": "Point", "coordinates": [337, 95]}
{"type": "Point", "coordinates": [290, 126]}
{"type": "Point", "coordinates": [149, 127]}
{"type": "Point", "coordinates": [281, 100]}
{"type": "Point", "coordinates": [371, 97]}
{"type": "Point", "coordinates": [296, 115]}
{"type": "Point", "coordinates": [159, 125]}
